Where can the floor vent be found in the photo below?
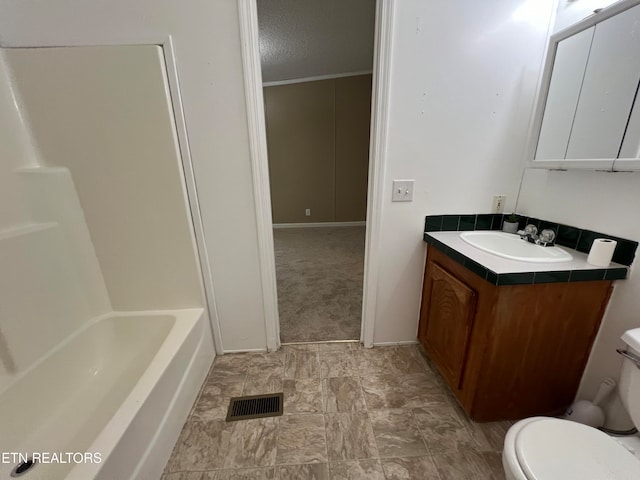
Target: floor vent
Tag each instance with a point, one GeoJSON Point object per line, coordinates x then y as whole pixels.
{"type": "Point", "coordinates": [255, 406]}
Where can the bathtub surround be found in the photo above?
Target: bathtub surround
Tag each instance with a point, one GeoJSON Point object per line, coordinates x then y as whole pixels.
{"type": "Point", "coordinates": [349, 413]}
{"type": "Point", "coordinates": [40, 219]}
{"type": "Point", "coordinates": [319, 273]}
{"type": "Point", "coordinates": [150, 237]}
{"type": "Point", "coordinates": [51, 277]}
{"type": "Point", "coordinates": [51, 282]}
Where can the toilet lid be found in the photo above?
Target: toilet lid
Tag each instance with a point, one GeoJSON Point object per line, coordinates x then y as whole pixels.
{"type": "Point", "coordinates": [553, 449]}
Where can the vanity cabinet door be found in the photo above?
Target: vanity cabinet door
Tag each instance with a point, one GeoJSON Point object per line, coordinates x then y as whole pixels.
{"type": "Point", "coordinates": [446, 321]}
{"type": "Point", "coordinates": [608, 89]}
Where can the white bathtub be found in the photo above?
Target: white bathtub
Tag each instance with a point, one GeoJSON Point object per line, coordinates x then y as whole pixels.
{"type": "Point", "coordinates": [119, 389]}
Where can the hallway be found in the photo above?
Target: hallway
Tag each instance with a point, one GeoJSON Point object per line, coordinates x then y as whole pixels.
{"type": "Point", "coordinates": [319, 273]}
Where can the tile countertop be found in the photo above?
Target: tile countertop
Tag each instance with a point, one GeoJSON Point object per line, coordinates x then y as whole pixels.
{"type": "Point", "coordinates": [502, 271]}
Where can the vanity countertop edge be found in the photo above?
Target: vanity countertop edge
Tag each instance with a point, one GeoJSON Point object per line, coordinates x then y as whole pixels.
{"type": "Point", "coordinates": [501, 271]}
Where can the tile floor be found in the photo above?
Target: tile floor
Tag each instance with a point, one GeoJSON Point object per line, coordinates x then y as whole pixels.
{"type": "Point", "coordinates": [349, 413]}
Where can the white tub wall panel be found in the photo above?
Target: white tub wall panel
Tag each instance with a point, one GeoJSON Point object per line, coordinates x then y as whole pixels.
{"type": "Point", "coordinates": [103, 113]}
{"type": "Point", "coordinates": [463, 80]}
{"type": "Point", "coordinates": [208, 56]}
{"type": "Point", "coordinates": [50, 196]}
{"type": "Point", "coordinates": [47, 290]}
{"type": "Point", "coordinates": [43, 299]}
{"type": "Point", "coordinates": [17, 151]}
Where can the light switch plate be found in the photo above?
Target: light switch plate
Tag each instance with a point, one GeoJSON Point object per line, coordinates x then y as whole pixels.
{"type": "Point", "coordinates": [402, 191]}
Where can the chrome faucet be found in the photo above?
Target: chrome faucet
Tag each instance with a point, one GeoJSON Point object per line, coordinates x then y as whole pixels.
{"type": "Point", "coordinates": [530, 233]}
{"type": "Point", "coordinates": [545, 239]}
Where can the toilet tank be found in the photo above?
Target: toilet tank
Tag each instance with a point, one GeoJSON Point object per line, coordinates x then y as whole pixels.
{"type": "Point", "coordinates": [629, 387]}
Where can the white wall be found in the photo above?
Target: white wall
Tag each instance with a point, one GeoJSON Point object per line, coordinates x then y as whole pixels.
{"type": "Point", "coordinates": [604, 202]}
{"type": "Point", "coordinates": [572, 11]}
{"type": "Point", "coordinates": [463, 81]}
{"type": "Point", "coordinates": [462, 85]}
{"type": "Point", "coordinates": [208, 55]}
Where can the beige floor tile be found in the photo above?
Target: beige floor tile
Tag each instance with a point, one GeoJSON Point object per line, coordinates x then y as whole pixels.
{"type": "Point", "coordinates": [494, 460]}
{"type": "Point", "coordinates": [396, 433]}
{"type": "Point", "coordinates": [356, 470]}
{"type": "Point", "coordinates": [266, 362]}
{"type": "Point", "coordinates": [302, 396]}
{"type": "Point", "coordinates": [411, 420]}
{"type": "Point", "coordinates": [192, 476]}
{"type": "Point", "coordinates": [301, 439]}
{"type": "Point", "coordinates": [342, 394]}
{"type": "Point", "coordinates": [301, 364]}
{"type": "Point", "coordinates": [389, 360]}
{"type": "Point", "coordinates": [462, 464]}
{"type": "Point", "coordinates": [226, 376]}
{"type": "Point", "coordinates": [401, 391]}
{"type": "Point", "coordinates": [488, 437]}
{"type": "Point", "coordinates": [270, 382]}
{"type": "Point", "coordinates": [442, 429]}
{"type": "Point", "coordinates": [253, 443]}
{"type": "Point", "coordinates": [236, 362]}
{"type": "Point", "coordinates": [350, 436]}
{"type": "Point", "coordinates": [338, 364]}
{"type": "Point", "coordinates": [213, 402]}
{"type": "Point", "coordinates": [201, 446]}
{"type": "Point", "coordinates": [311, 471]}
{"type": "Point", "coordinates": [247, 474]}
{"type": "Point", "coordinates": [410, 468]}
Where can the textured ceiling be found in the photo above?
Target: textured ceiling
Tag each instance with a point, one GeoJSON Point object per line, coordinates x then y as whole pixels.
{"type": "Point", "coordinates": [307, 38]}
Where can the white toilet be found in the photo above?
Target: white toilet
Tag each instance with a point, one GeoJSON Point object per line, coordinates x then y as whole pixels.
{"type": "Point", "coordinates": [544, 448]}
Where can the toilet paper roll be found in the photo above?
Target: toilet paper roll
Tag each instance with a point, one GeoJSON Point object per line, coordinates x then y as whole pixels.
{"type": "Point", "coordinates": [601, 252]}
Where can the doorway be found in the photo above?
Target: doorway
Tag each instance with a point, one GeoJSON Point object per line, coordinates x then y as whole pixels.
{"type": "Point", "coordinates": [317, 62]}
{"type": "Point", "coordinates": [258, 133]}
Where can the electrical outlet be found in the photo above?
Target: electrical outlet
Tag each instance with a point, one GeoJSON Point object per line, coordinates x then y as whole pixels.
{"type": "Point", "coordinates": [307, 212]}
{"type": "Point", "coordinates": [498, 203]}
{"type": "Point", "coordinates": [402, 191]}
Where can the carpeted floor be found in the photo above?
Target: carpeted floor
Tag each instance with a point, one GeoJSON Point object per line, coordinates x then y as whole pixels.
{"type": "Point", "coordinates": [319, 273]}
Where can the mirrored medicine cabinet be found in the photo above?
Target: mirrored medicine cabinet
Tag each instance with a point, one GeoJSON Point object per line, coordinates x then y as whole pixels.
{"type": "Point", "coordinates": [588, 107]}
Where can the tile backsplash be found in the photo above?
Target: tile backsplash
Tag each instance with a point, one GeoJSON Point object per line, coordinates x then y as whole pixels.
{"type": "Point", "coordinates": [566, 235]}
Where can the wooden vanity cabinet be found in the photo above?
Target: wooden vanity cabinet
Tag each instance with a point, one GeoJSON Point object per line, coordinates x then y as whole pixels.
{"type": "Point", "coordinates": [512, 351]}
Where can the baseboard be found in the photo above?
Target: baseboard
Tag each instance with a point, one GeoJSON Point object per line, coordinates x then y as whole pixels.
{"type": "Point", "coordinates": [320, 224]}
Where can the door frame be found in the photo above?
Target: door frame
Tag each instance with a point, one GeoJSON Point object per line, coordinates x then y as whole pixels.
{"type": "Point", "coordinates": [248, 17]}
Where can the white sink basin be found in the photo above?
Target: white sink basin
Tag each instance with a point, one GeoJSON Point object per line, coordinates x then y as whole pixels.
{"type": "Point", "coordinates": [511, 246]}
